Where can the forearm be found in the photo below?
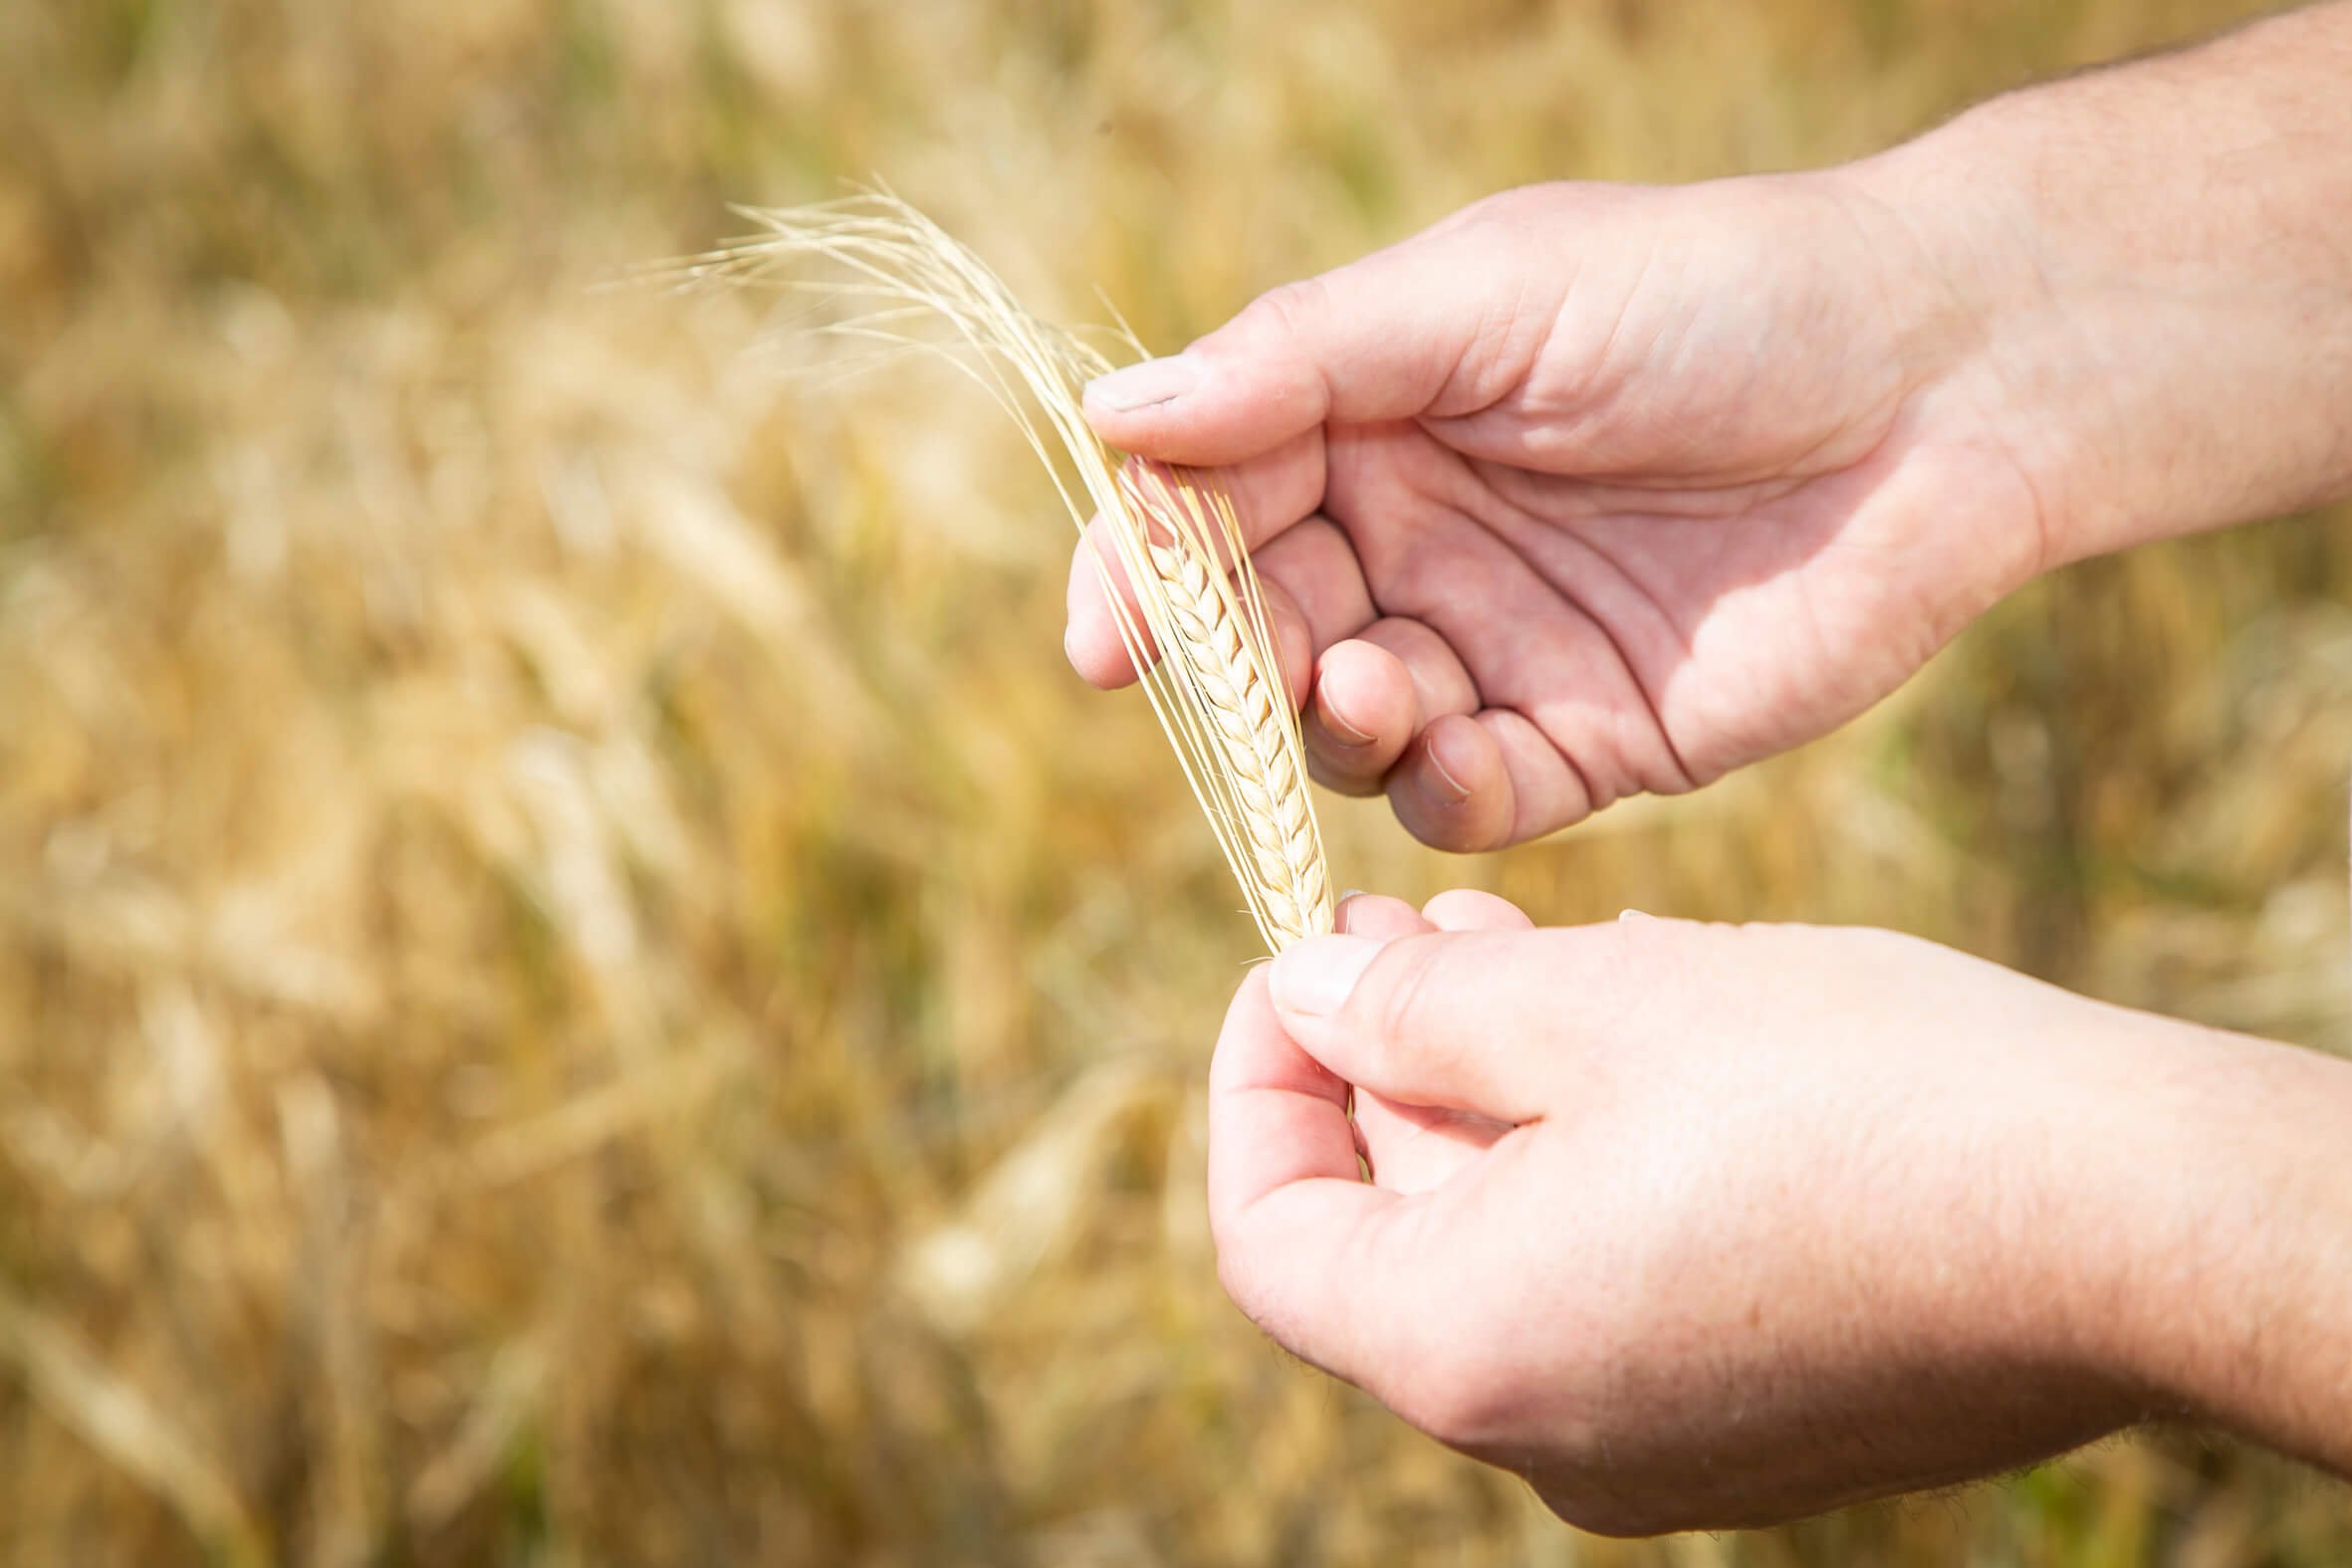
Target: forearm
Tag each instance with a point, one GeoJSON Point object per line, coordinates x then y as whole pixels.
{"type": "Point", "coordinates": [2214, 1227]}
{"type": "Point", "coordinates": [2159, 258]}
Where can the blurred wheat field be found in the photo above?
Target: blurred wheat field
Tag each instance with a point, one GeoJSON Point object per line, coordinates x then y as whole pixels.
{"type": "Point", "coordinates": [579, 982]}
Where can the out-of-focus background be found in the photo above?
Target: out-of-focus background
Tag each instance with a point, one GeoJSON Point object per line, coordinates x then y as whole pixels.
{"type": "Point", "coordinates": [579, 983]}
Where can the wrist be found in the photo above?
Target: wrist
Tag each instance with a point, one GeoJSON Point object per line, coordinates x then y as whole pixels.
{"type": "Point", "coordinates": [2150, 264]}
{"type": "Point", "coordinates": [2219, 1223]}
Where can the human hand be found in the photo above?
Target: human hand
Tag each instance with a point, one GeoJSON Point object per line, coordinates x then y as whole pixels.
{"type": "Point", "coordinates": [1701, 1227]}
{"type": "Point", "coordinates": [1593, 490]}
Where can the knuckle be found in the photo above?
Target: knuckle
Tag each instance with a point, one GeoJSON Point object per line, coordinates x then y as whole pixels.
{"type": "Point", "coordinates": [1596, 1510]}
{"type": "Point", "coordinates": [1464, 1396]}
{"type": "Point", "coordinates": [1453, 1412]}
{"type": "Point", "coordinates": [1238, 1273]}
{"type": "Point", "coordinates": [1293, 310]}
{"type": "Point", "coordinates": [1232, 1277]}
{"type": "Point", "coordinates": [1403, 982]}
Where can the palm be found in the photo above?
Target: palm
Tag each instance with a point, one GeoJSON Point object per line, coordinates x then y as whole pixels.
{"type": "Point", "coordinates": [1607, 641]}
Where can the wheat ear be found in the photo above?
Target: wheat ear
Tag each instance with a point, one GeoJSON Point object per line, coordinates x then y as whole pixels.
{"type": "Point", "coordinates": [1227, 658]}
{"type": "Point", "coordinates": [1219, 691]}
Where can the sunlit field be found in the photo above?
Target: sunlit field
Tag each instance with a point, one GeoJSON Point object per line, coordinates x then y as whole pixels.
{"type": "Point", "coordinates": [579, 982]}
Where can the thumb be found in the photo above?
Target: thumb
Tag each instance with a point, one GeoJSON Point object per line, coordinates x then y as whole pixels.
{"type": "Point", "coordinates": [1407, 331]}
{"type": "Point", "coordinates": [1463, 1021]}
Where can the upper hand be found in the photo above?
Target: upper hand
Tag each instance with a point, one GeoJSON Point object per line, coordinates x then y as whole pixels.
{"type": "Point", "coordinates": [1592, 489]}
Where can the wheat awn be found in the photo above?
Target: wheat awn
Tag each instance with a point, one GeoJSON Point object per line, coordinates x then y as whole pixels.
{"type": "Point", "coordinates": [1219, 690]}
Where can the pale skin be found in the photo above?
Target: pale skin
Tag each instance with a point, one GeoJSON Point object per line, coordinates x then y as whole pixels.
{"type": "Point", "coordinates": [1591, 491]}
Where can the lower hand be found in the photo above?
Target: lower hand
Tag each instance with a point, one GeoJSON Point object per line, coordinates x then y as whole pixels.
{"type": "Point", "coordinates": [1698, 1226]}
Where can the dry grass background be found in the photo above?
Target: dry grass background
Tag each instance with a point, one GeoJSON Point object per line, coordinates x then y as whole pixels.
{"type": "Point", "coordinates": [579, 984]}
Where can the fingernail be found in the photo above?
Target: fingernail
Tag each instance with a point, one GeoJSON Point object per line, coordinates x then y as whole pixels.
{"type": "Point", "coordinates": [1145, 384]}
{"type": "Point", "coordinates": [1628, 916]}
{"type": "Point", "coordinates": [1337, 722]}
{"type": "Point", "coordinates": [1068, 651]}
{"type": "Point", "coordinates": [1449, 784]}
{"type": "Point", "coordinates": [1314, 978]}
{"type": "Point", "coordinates": [1353, 892]}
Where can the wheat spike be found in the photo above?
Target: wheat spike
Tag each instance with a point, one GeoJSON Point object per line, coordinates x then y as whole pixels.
{"type": "Point", "coordinates": [1228, 658]}
{"type": "Point", "coordinates": [1219, 691]}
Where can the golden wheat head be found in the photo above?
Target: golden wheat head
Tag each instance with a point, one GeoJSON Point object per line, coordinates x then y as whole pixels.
{"type": "Point", "coordinates": [1198, 626]}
